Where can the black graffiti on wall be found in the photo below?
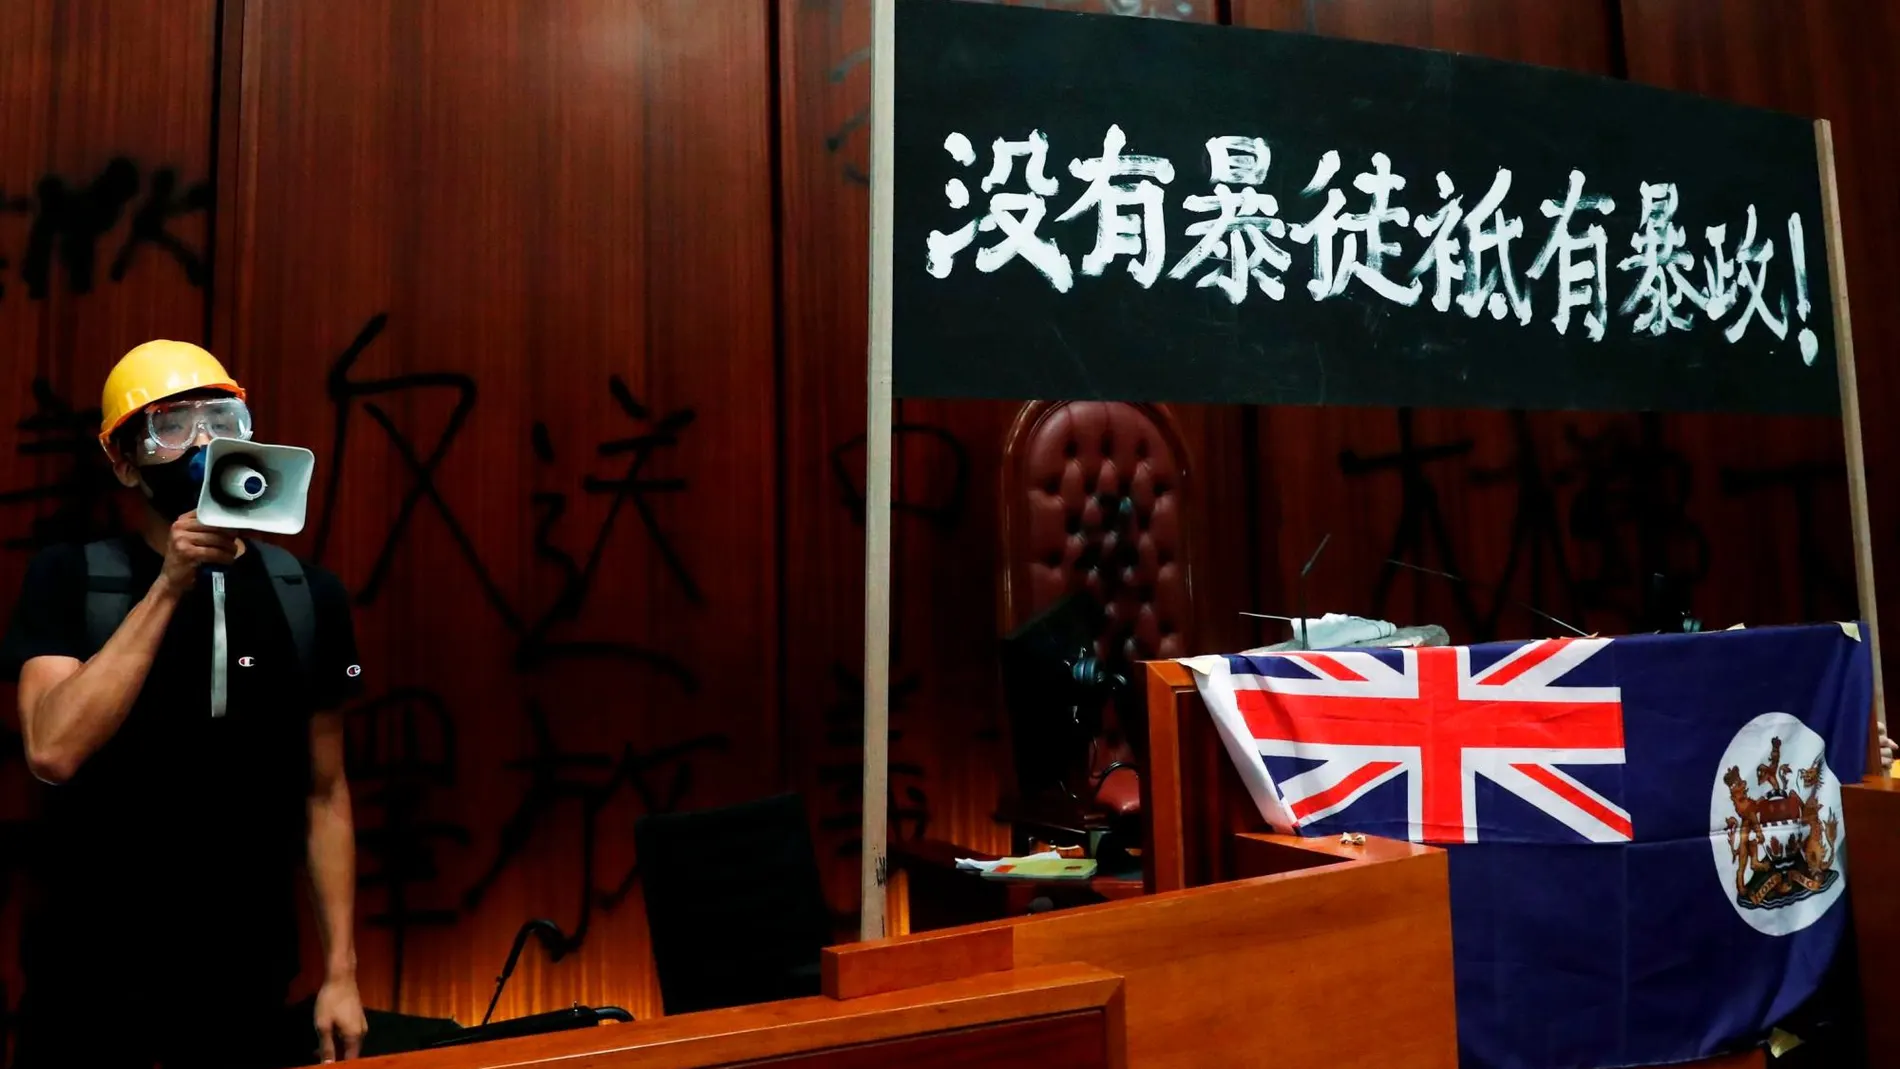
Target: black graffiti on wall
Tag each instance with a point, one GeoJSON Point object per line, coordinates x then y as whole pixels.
{"type": "Point", "coordinates": [562, 785]}
{"type": "Point", "coordinates": [1421, 535]}
{"type": "Point", "coordinates": [1537, 538]}
{"type": "Point", "coordinates": [1642, 553]}
{"type": "Point", "coordinates": [632, 489]}
{"type": "Point", "coordinates": [937, 448]}
{"type": "Point", "coordinates": [583, 784]}
{"type": "Point", "coordinates": [540, 640]}
{"type": "Point", "coordinates": [72, 219]}
{"type": "Point", "coordinates": [401, 752]}
{"type": "Point", "coordinates": [942, 507]}
{"type": "Point", "coordinates": [345, 393]}
{"type": "Point", "coordinates": [80, 487]}
{"type": "Point", "coordinates": [1825, 592]}
{"type": "Point", "coordinates": [841, 774]}
{"type": "Point", "coordinates": [1627, 552]}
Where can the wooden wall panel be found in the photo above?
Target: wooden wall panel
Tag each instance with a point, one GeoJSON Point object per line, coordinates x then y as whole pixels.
{"type": "Point", "coordinates": [103, 109]}
{"type": "Point", "coordinates": [1576, 34]}
{"type": "Point", "coordinates": [824, 93]}
{"type": "Point", "coordinates": [547, 228]}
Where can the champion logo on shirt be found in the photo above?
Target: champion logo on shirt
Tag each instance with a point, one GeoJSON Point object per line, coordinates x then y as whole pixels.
{"type": "Point", "coordinates": [247, 662]}
{"type": "Point", "coordinates": [353, 671]}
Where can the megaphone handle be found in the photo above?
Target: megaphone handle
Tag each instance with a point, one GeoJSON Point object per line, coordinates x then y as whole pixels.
{"type": "Point", "coordinates": [220, 647]}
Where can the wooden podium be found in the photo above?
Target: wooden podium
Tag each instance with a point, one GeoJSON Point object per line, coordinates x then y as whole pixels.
{"type": "Point", "coordinates": [1308, 953]}
{"type": "Point", "coordinates": [1873, 851]}
{"type": "Point", "coordinates": [1298, 952]}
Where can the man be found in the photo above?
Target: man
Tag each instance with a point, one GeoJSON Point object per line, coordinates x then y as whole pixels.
{"type": "Point", "coordinates": [163, 925]}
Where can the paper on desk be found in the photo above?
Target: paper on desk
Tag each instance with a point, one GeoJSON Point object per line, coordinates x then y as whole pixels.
{"type": "Point", "coordinates": [990, 866]}
{"type": "Point", "coordinates": [1338, 629]}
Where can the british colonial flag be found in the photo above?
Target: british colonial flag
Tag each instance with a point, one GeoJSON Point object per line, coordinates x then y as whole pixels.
{"type": "Point", "coordinates": [1442, 721]}
{"type": "Point", "coordinates": [1586, 791]}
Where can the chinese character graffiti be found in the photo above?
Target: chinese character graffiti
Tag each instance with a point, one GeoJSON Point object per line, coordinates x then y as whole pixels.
{"type": "Point", "coordinates": [942, 511]}
{"type": "Point", "coordinates": [1826, 593]}
{"type": "Point", "coordinates": [80, 492]}
{"type": "Point", "coordinates": [1537, 536]}
{"type": "Point", "coordinates": [633, 487]}
{"type": "Point", "coordinates": [400, 751]}
{"type": "Point", "coordinates": [584, 784]}
{"type": "Point", "coordinates": [149, 227]}
{"type": "Point", "coordinates": [841, 776]}
{"type": "Point", "coordinates": [70, 219]}
{"type": "Point", "coordinates": [405, 740]}
{"type": "Point", "coordinates": [1421, 522]}
{"type": "Point", "coordinates": [345, 392]}
{"type": "Point", "coordinates": [1630, 519]}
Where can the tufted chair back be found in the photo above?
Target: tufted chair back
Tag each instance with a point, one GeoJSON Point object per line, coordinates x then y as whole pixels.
{"type": "Point", "coordinates": [1092, 500]}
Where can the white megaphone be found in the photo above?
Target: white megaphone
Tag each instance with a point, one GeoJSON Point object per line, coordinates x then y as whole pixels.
{"type": "Point", "coordinates": [250, 486]}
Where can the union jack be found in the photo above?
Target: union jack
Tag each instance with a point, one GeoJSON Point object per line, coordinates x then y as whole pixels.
{"type": "Point", "coordinates": [1369, 717]}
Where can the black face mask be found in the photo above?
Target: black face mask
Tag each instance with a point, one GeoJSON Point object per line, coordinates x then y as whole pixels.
{"type": "Point", "coordinates": [174, 486]}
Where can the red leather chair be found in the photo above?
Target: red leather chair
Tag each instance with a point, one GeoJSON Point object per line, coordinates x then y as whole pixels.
{"type": "Point", "coordinates": [1094, 500]}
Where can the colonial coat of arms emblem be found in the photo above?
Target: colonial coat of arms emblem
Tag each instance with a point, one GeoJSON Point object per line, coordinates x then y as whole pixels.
{"type": "Point", "coordinates": [1776, 828]}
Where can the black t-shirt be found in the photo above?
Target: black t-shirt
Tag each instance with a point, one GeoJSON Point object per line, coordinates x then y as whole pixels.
{"type": "Point", "coordinates": [181, 837]}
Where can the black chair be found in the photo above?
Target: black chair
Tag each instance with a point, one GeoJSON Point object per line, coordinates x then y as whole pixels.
{"type": "Point", "coordinates": [735, 906]}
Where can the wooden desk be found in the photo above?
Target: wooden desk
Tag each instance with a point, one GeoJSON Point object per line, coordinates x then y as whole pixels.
{"type": "Point", "coordinates": [1061, 1017]}
{"type": "Point", "coordinates": [940, 895]}
{"type": "Point", "coordinates": [1275, 971]}
{"type": "Point", "coordinates": [1873, 872]}
{"type": "Point", "coordinates": [1192, 799]}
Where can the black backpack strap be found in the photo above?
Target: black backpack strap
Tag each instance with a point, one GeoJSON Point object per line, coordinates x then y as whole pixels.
{"type": "Point", "coordinates": [108, 589]}
{"type": "Point", "coordinates": [293, 596]}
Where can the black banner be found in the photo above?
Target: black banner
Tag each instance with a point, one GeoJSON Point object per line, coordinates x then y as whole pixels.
{"type": "Point", "coordinates": [1093, 207]}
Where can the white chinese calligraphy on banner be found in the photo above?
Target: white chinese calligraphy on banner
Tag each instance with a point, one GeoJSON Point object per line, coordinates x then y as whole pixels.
{"type": "Point", "coordinates": [1462, 262]}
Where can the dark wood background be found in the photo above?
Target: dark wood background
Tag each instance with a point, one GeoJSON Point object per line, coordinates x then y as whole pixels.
{"type": "Point", "coordinates": [569, 298]}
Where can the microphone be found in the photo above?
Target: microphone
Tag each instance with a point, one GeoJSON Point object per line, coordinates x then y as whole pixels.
{"type": "Point", "coordinates": [552, 939]}
{"type": "Point", "coordinates": [1300, 593]}
{"type": "Point", "coordinates": [1532, 609]}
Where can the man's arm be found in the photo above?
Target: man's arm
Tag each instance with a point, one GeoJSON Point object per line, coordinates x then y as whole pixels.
{"type": "Point", "coordinates": [69, 708]}
{"type": "Point", "coordinates": [332, 865]}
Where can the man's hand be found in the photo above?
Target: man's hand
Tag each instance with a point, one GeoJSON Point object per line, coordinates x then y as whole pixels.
{"type": "Point", "coordinates": [190, 546]}
{"type": "Point", "coordinates": [340, 1022]}
{"type": "Point", "coordinates": [1886, 752]}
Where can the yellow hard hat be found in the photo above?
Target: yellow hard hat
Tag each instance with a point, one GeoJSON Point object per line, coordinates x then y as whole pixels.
{"type": "Point", "coordinates": [153, 372]}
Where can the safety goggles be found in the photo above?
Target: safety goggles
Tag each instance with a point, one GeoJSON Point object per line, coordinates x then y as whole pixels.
{"type": "Point", "coordinates": [178, 424]}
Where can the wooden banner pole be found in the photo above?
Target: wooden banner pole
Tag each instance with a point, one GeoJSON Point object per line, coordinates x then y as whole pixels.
{"type": "Point", "coordinates": [877, 483]}
{"type": "Point", "coordinates": [1850, 431]}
